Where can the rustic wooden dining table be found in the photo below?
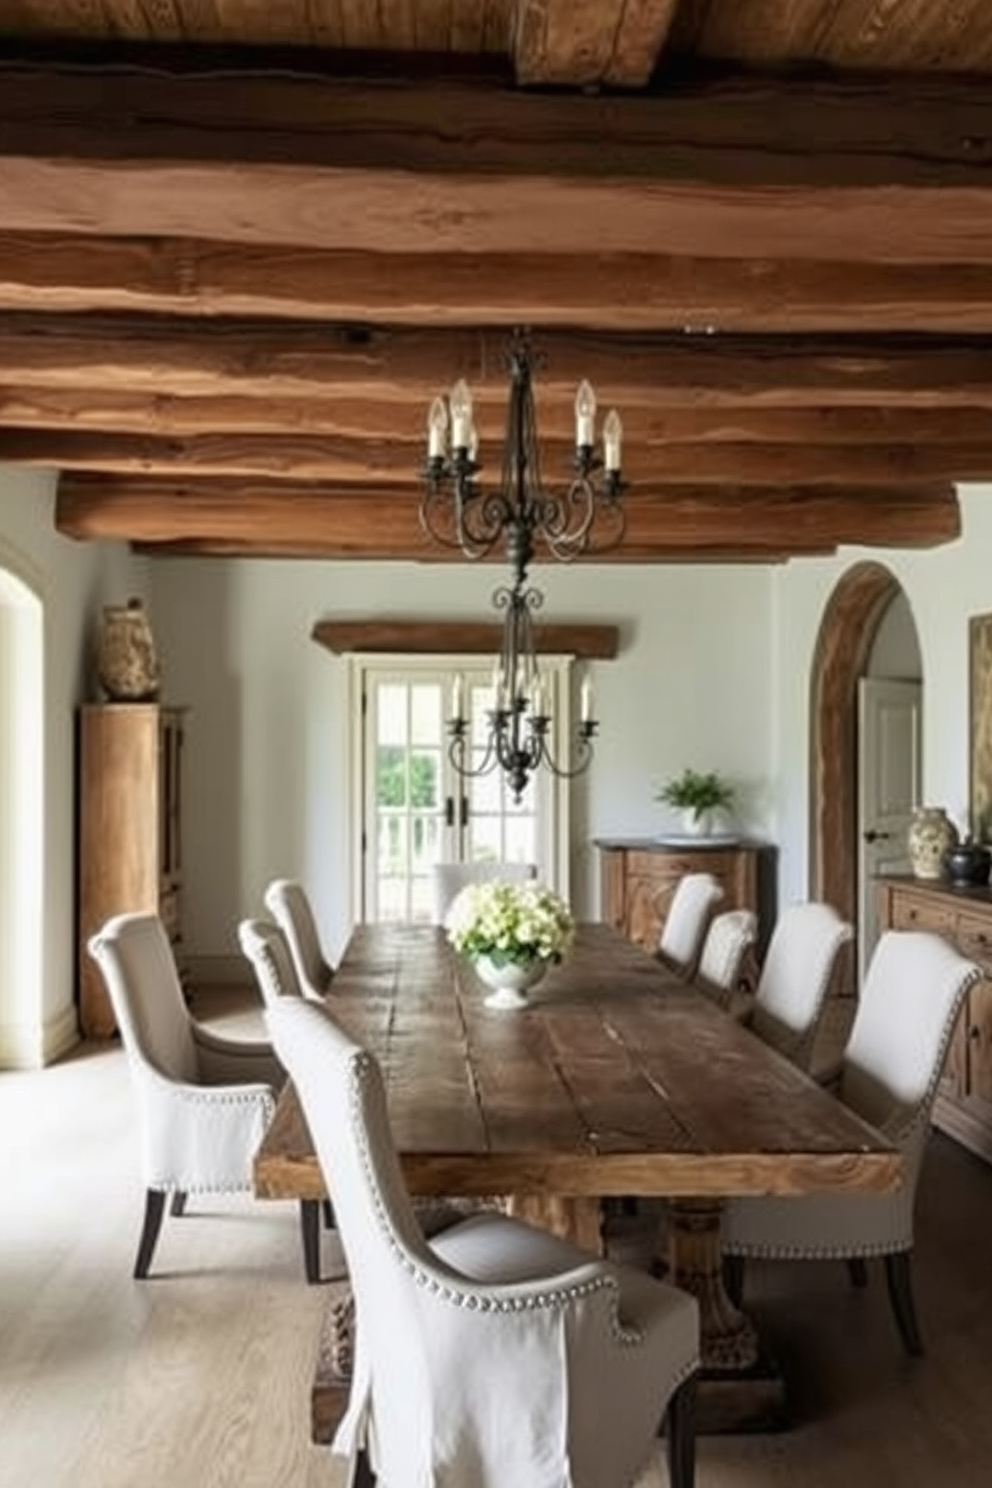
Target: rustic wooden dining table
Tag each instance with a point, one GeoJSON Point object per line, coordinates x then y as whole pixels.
{"type": "Point", "coordinates": [615, 1080]}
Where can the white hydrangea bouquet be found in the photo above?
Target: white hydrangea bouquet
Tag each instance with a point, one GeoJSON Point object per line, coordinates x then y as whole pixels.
{"type": "Point", "coordinates": [510, 923]}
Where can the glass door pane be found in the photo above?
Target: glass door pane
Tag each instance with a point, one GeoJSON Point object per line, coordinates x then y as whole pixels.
{"type": "Point", "coordinates": [404, 746]}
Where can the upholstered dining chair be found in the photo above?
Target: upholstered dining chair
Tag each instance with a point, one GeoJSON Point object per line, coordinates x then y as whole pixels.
{"type": "Point", "coordinates": [264, 945]}
{"type": "Point", "coordinates": [729, 938]}
{"type": "Point", "coordinates": [289, 905]}
{"type": "Point", "coordinates": [892, 1061]}
{"type": "Point", "coordinates": [448, 879]}
{"type": "Point", "coordinates": [795, 979]}
{"type": "Point", "coordinates": [494, 1353]}
{"type": "Point", "coordinates": [204, 1101]}
{"type": "Point", "coordinates": [692, 905]}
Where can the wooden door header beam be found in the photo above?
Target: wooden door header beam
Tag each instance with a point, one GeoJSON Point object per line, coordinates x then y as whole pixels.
{"type": "Point", "coordinates": [468, 638]}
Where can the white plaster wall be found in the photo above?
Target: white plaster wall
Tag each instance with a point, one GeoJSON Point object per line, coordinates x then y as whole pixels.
{"type": "Point", "coordinates": [269, 731]}
{"type": "Point", "coordinates": [944, 587]}
{"type": "Point", "coordinates": [72, 581]}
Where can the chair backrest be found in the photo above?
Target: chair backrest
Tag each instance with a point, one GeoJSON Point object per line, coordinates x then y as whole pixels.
{"type": "Point", "coordinates": [912, 995]}
{"type": "Point", "coordinates": [729, 937]}
{"type": "Point", "coordinates": [692, 905]}
{"type": "Point", "coordinates": [448, 880]}
{"type": "Point", "coordinates": [341, 1092]}
{"type": "Point", "coordinates": [264, 944]}
{"type": "Point", "coordinates": [795, 978]}
{"type": "Point", "coordinates": [289, 905]}
{"type": "Point", "coordinates": [139, 970]}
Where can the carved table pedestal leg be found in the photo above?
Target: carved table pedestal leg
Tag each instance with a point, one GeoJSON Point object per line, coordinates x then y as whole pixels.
{"type": "Point", "coordinates": [739, 1389]}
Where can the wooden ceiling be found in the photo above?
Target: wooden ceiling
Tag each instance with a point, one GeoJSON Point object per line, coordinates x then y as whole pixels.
{"type": "Point", "coordinates": [242, 245]}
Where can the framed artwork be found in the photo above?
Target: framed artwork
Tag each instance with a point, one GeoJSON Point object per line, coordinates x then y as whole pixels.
{"type": "Point", "coordinates": [980, 685]}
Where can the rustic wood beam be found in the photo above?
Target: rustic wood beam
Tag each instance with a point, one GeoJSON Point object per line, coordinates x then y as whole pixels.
{"type": "Point", "coordinates": [166, 415]}
{"type": "Point", "coordinates": [256, 358]}
{"type": "Point", "coordinates": [873, 170]}
{"type": "Point", "coordinates": [383, 523]}
{"type": "Point", "coordinates": [469, 637]}
{"type": "Point", "coordinates": [587, 42]}
{"type": "Point", "coordinates": [196, 547]}
{"type": "Point", "coordinates": [627, 291]}
{"type": "Point", "coordinates": [345, 461]}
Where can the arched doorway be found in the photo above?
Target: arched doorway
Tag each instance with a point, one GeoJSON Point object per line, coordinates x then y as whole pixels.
{"type": "Point", "coordinates": [847, 631]}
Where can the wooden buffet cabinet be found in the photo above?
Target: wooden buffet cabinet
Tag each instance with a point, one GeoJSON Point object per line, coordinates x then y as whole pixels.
{"type": "Point", "coordinates": [963, 1107]}
{"type": "Point", "coordinates": [638, 878]}
{"type": "Point", "coordinates": [130, 838]}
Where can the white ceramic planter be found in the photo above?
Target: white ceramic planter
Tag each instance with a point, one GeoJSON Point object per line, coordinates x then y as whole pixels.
{"type": "Point", "coordinates": [509, 982]}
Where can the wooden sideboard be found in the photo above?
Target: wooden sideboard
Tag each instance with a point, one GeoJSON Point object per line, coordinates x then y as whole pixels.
{"type": "Point", "coordinates": [638, 878]}
{"type": "Point", "coordinates": [963, 1107]}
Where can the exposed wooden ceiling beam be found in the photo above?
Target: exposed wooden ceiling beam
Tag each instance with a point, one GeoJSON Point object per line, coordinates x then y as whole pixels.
{"type": "Point", "coordinates": [383, 523]}
{"type": "Point", "coordinates": [258, 358]}
{"type": "Point", "coordinates": [167, 415]}
{"type": "Point", "coordinates": [584, 42]}
{"type": "Point", "coordinates": [343, 461]}
{"type": "Point", "coordinates": [871, 172]}
{"type": "Point", "coordinates": [471, 637]}
{"type": "Point", "coordinates": [631, 292]}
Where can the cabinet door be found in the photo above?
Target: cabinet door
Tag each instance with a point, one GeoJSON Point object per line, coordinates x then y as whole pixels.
{"type": "Point", "coordinates": [979, 1041]}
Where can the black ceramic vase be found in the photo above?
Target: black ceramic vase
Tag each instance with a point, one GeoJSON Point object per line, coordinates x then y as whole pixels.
{"type": "Point", "coordinates": [968, 865]}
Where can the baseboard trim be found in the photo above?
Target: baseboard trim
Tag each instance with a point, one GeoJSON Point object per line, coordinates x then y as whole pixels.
{"type": "Point", "coordinates": [26, 1046]}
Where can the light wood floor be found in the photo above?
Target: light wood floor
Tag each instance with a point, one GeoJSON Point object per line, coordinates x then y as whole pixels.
{"type": "Point", "coordinates": [200, 1376]}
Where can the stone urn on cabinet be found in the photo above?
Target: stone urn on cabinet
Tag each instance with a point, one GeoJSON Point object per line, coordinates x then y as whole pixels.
{"type": "Point", "coordinates": [931, 833]}
{"type": "Point", "coordinates": [126, 661]}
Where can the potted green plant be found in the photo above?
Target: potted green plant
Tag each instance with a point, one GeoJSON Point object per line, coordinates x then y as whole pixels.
{"type": "Point", "coordinates": [698, 795]}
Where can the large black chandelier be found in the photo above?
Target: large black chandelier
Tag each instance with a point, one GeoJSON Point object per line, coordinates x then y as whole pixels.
{"type": "Point", "coordinates": [456, 512]}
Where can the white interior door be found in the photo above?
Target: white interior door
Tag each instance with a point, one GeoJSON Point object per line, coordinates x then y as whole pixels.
{"type": "Point", "coordinates": [889, 782]}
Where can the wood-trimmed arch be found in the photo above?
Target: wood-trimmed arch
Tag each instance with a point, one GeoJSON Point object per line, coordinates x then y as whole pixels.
{"type": "Point", "coordinates": [847, 631]}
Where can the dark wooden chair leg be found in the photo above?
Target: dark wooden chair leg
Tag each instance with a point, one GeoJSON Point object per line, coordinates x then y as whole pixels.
{"type": "Point", "coordinates": [857, 1271]}
{"type": "Point", "coordinates": [327, 1208]}
{"type": "Point", "coordinates": [900, 1282]}
{"type": "Point", "coordinates": [178, 1206]}
{"type": "Point", "coordinates": [310, 1230]}
{"type": "Point", "coordinates": [733, 1278]}
{"type": "Point", "coordinates": [680, 1435]}
{"type": "Point", "coordinates": [154, 1210]}
{"type": "Point", "coordinates": [362, 1475]}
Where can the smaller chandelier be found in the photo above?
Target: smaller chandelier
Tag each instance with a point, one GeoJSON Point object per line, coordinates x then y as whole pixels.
{"type": "Point", "coordinates": [585, 517]}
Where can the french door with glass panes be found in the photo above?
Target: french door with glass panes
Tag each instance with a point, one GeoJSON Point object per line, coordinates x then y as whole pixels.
{"type": "Point", "coordinates": [417, 810]}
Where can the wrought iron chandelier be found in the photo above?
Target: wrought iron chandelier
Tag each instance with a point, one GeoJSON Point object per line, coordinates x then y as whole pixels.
{"type": "Point", "coordinates": [456, 512]}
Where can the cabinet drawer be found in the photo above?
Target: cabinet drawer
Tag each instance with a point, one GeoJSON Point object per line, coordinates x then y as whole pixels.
{"type": "Point", "coordinates": [974, 939]}
{"type": "Point", "coordinates": [909, 913]}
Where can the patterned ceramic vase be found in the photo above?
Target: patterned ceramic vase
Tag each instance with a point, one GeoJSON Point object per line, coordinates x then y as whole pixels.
{"type": "Point", "coordinates": [931, 833]}
{"type": "Point", "coordinates": [510, 982]}
{"type": "Point", "coordinates": [126, 663]}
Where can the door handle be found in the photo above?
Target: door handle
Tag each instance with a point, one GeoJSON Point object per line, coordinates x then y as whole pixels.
{"type": "Point", "coordinates": [872, 836]}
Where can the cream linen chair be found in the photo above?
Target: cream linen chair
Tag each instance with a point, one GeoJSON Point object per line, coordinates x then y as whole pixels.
{"type": "Point", "coordinates": [795, 978]}
{"type": "Point", "coordinates": [728, 940]}
{"type": "Point", "coordinates": [689, 913]}
{"type": "Point", "coordinates": [204, 1101]}
{"type": "Point", "coordinates": [448, 879]}
{"type": "Point", "coordinates": [912, 995]}
{"type": "Point", "coordinates": [289, 905]}
{"type": "Point", "coordinates": [264, 945]}
{"type": "Point", "coordinates": [493, 1355]}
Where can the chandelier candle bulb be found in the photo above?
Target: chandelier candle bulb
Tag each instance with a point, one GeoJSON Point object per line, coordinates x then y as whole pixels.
{"type": "Point", "coordinates": [456, 699]}
{"type": "Point", "coordinates": [585, 416]}
{"type": "Point", "coordinates": [586, 700]}
{"type": "Point", "coordinates": [612, 441]}
{"type": "Point", "coordinates": [461, 415]}
{"type": "Point", "coordinates": [437, 431]}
